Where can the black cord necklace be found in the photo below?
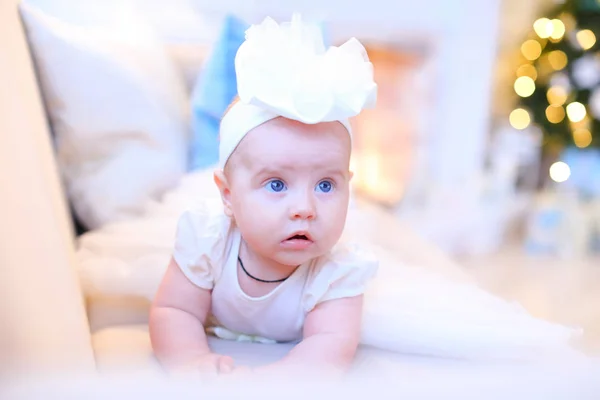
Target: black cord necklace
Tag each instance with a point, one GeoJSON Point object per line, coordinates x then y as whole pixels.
{"type": "Point", "coordinates": [258, 279]}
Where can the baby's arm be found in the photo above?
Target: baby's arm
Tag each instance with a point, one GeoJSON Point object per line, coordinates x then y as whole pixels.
{"type": "Point", "coordinates": [177, 318]}
{"type": "Point", "coordinates": [331, 336]}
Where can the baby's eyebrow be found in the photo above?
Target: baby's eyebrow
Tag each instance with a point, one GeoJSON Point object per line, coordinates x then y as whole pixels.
{"type": "Point", "coordinates": [270, 170]}
{"type": "Point", "coordinates": [334, 172]}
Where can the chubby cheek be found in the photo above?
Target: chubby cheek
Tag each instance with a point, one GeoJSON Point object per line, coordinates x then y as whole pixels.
{"type": "Point", "coordinates": [333, 219]}
{"type": "Point", "coordinates": [336, 224]}
{"type": "Point", "coordinates": [257, 221]}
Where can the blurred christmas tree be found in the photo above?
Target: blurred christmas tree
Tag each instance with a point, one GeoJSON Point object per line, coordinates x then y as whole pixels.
{"type": "Point", "coordinates": [559, 79]}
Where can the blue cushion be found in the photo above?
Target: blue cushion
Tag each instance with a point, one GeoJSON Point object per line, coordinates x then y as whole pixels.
{"type": "Point", "coordinates": [213, 91]}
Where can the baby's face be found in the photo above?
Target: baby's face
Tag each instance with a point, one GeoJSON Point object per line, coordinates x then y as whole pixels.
{"type": "Point", "coordinates": [289, 189]}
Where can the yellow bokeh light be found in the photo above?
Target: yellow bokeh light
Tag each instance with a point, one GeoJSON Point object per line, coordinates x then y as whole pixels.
{"type": "Point", "coordinates": [519, 118]}
{"type": "Point", "coordinates": [586, 39]}
{"type": "Point", "coordinates": [524, 86]}
{"type": "Point", "coordinates": [531, 49]}
{"type": "Point", "coordinates": [576, 111]}
{"type": "Point", "coordinates": [558, 59]}
{"type": "Point", "coordinates": [543, 27]}
{"type": "Point", "coordinates": [560, 171]}
{"type": "Point", "coordinates": [583, 124]}
{"type": "Point", "coordinates": [558, 29]}
{"type": "Point", "coordinates": [557, 95]}
{"type": "Point", "coordinates": [527, 70]}
{"type": "Point", "coordinates": [555, 114]}
{"type": "Point", "coordinates": [582, 138]}
{"type": "Point", "coordinates": [543, 66]}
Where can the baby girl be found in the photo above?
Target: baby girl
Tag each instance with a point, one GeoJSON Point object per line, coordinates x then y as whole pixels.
{"type": "Point", "coordinates": [269, 262]}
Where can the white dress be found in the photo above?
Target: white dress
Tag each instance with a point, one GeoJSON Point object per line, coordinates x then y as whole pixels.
{"type": "Point", "coordinates": [206, 250]}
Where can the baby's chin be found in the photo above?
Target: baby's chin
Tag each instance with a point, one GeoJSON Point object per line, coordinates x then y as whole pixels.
{"type": "Point", "coordinates": [293, 259]}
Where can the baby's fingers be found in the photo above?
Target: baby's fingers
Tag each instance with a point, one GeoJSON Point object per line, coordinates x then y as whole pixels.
{"type": "Point", "coordinates": [225, 364]}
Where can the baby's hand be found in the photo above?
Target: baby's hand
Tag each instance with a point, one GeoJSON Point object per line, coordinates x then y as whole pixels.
{"type": "Point", "coordinates": [238, 373]}
{"type": "Point", "coordinates": [208, 364]}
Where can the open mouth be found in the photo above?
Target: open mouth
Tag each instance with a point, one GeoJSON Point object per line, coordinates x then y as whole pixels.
{"type": "Point", "coordinates": [298, 241]}
{"type": "Point", "coordinates": [298, 237]}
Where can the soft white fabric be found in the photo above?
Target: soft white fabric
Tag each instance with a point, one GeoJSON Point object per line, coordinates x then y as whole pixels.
{"type": "Point", "coordinates": [410, 309]}
{"type": "Point", "coordinates": [418, 303]}
{"type": "Point", "coordinates": [129, 372]}
{"type": "Point", "coordinates": [285, 70]}
{"type": "Point", "coordinates": [206, 250]}
{"type": "Point", "coordinates": [118, 110]}
{"type": "Point", "coordinates": [128, 348]}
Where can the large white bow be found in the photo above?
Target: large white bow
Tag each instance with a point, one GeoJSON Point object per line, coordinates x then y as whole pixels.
{"type": "Point", "coordinates": [285, 69]}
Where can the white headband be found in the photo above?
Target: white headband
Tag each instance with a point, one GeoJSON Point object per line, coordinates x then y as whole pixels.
{"type": "Point", "coordinates": [284, 70]}
{"type": "Point", "coordinates": [240, 120]}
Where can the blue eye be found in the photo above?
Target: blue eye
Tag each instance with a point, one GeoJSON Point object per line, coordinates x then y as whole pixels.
{"type": "Point", "coordinates": [325, 186]}
{"type": "Point", "coordinates": [276, 185]}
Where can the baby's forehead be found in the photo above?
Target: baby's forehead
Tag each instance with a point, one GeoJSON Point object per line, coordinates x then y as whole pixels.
{"type": "Point", "coordinates": [281, 139]}
{"type": "Point", "coordinates": [282, 132]}
{"type": "Point", "coordinates": [281, 143]}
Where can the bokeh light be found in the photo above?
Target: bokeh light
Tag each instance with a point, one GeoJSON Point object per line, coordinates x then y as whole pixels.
{"type": "Point", "coordinates": [558, 29]}
{"type": "Point", "coordinates": [582, 137]}
{"type": "Point", "coordinates": [543, 27]}
{"type": "Point", "coordinates": [557, 95]}
{"type": "Point", "coordinates": [555, 114]}
{"type": "Point", "coordinates": [519, 118]}
{"type": "Point", "coordinates": [560, 171]}
{"type": "Point", "coordinates": [524, 86]}
{"type": "Point", "coordinates": [527, 70]}
{"type": "Point", "coordinates": [531, 49]}
{"type": "Point", "coordinates": [558, 59]}
{"type": "Point", "coordinates": [586, 39]}
{"type": "Point", "coordinates": [576, 111]}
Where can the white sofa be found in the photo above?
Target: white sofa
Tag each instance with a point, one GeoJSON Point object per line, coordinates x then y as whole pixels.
{"type": "Point", "coordinates": [44, 320]}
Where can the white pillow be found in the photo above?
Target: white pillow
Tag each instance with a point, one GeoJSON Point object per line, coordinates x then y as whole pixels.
{"type": "Point", "coordinates": [185, 29]}
{"type": "Point", "coordinates": [118, 110]}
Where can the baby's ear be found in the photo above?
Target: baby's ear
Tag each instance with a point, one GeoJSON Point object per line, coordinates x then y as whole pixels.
{"type": "Point", "coordinates": [223, 185]}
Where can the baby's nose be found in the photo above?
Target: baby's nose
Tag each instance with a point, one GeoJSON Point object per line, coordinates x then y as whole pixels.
{"type": "Point", "coordinates": [303, 207]}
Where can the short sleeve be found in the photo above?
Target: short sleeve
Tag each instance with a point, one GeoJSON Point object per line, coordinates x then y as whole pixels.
{"type": "Point", "coordinates": [345, 272]}
{"type": "Point", "coordinates": [201, 245]}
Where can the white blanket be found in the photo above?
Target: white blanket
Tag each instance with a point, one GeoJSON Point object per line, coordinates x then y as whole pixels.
{"type": "Point", "coordinates": [419, 303]}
